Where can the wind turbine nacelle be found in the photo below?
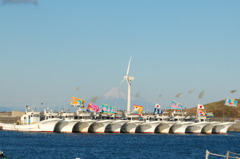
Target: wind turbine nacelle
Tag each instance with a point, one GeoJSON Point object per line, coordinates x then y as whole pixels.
{"type": "Point", "coordinates": [130, 78]}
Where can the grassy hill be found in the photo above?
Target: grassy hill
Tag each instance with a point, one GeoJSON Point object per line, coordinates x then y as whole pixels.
{"type": "Point", "coordinates": [219, 108]}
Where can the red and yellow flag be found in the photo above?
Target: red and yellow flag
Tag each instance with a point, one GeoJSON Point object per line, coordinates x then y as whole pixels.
{"type": "Point", "coordinates": [137, 109]}
{"type": "Point", "coordinates": [77, 102]}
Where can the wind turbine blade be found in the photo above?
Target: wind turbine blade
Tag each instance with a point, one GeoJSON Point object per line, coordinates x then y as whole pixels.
{"type": "Point", "coordinates": [129, 65]}
{"type": "Point", "coordinates": [122, 81]}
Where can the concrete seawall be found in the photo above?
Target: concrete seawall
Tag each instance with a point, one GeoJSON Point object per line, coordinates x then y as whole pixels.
{"type": "Point", "coordinates": [235, 127]}
{"type": "Point", "coordinates": [10, 117]}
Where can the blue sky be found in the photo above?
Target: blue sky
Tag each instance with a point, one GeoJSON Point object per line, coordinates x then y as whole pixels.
{"type": "Point", "coordinates": [50, 49]}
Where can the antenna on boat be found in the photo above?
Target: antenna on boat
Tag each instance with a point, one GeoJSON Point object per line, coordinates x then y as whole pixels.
{"type": "Point", "coordinates": [128, 79]}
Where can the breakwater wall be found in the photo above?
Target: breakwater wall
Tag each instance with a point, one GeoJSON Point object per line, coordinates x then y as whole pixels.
{"type": "Point", "coordinates": [235, 127]}
{"type": "Point", "coordinates": [10, 117]}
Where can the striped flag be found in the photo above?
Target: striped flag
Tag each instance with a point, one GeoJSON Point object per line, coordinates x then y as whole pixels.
{"type": "Point", "coordinates": [175, 105]}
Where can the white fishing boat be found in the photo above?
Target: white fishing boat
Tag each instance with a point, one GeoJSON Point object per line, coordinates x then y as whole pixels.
{"type": "Point", "coordinates": [31, 121]}
{"type": "Point", "coordinates": [207, 129]}
{"type": "Point", "coordinates": [196, 128]}
{"type": "Point", "coordinates": [177, 122]}
{"type": "Point", "coordinates": [147, 127]}
{"type": "Point", "coordinates": [131, 125]}
{"type": "Point", "coordinates": [165, 124]}
{"type": "Point", "coordinates": [164, 127]}
{"type": "Point", "coordinates": [222, 127]}
{"type": "Point", "coordinates": [79, 122]}
{"type": "Point", "coordinates": [203, 125]}
{"type": "Point", "coordinates": [66, 124]}
{"type": "Point", "coordinates": [180, 127]}
{"type": "Point", "coordinates": [99, 126]}
{"type": "Point", "coordinates": [198, 125]}
{"type": "Point", "coordinates": [83, 126]}
{"type": "Point", "coordinates": [84, 120]}
{"type": "Point", "coordinates": [71, 121]}
{"type": "Point", "coordinates": [115, 126]}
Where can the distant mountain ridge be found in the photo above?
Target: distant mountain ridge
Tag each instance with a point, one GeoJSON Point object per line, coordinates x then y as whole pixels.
{"type": "Point", "coordinates": [115, 93]}
{"type": "Point", "coordinates": [118, 98]}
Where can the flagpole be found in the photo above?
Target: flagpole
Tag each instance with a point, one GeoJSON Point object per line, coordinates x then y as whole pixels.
{"type": "Point", "coordinates": [223, 109]}
{"type": "Point", "coordinates": [170, 109]}
{"type": "Point", "coordinates": [223, 112]}
{"type": "Point", "coordinates": [224, 105]}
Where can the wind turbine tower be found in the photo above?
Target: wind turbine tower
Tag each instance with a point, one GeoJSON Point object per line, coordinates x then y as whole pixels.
{"type": "Point", "coordinates": [128, 79]}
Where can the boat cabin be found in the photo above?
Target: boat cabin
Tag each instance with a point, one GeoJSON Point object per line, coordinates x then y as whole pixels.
{"type": "Point", "coordinates": [30, 118]}
{"type": "Point", "coordinates": [67, 116]}
{"type": "Point", "coordinates": [163, 117]}
{"type": "Point", "coordinates": [49, 116]}
{"type": "Point", "coordinates": [84, 115]}
{"type": "Point", "coordinates": [133, 117]}
{"type": "Point", "coordinates": [178, 116]}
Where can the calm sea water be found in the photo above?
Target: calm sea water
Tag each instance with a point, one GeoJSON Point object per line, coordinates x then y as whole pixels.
{"type": "Point", "coordinates": [24, 145]}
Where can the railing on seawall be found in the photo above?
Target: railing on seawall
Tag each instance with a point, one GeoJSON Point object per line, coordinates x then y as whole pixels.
{"type": "Point", "coordinates": [227, 156]}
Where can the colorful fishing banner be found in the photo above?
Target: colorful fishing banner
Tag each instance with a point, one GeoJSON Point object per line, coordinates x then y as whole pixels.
{"type": "Point", "coordinates": [137, 109]}
{"type": "Point", "coordinates": [231, 102]}
{"type": "Point", "coordinates": [108, 109]}
{"type": "Point", "coordinates": [77, 102]}
{"type": "Point", "coordinates": [175, 105]}
{"type": "Point", "coordinates": [200, 113]}
{"type": "Point", "coordinates": [93, 108]}
{"type": "Point", "coordinates": [210, 114]}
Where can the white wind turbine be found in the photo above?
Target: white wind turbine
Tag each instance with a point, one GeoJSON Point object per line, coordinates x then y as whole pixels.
{"type": "Point", "coordinates": [128, 79]}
